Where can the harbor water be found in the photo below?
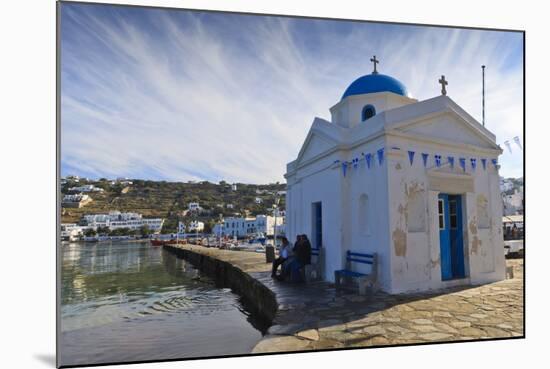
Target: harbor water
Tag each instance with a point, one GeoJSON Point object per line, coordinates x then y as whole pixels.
{"type": "Point", "coordinates": [130, 301]}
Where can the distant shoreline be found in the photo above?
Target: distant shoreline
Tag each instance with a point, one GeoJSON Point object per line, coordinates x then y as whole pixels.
{"type": "Point", "coordinates": [104, 241]}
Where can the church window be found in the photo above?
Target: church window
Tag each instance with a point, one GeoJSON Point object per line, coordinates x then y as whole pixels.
{"type": "Point", "coordinates": [416, 209]}
{"type": "Point", "coordinates": [452, 214]}
{"type": "Point", "coordinates": [482, 212]}
{"type": "Point", "coordinates": [441, 214]}
{"type": "Point", "coordinates": [368, 112]}
{"type": "Point", "coordinates": [317, 215]}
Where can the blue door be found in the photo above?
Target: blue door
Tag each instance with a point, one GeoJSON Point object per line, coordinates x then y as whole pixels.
{"type": "Point", "coordinates": [450, 236]}
{"type": "Point", "coordinates": [317, 225]}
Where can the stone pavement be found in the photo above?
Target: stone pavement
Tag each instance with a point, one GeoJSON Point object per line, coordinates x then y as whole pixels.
{"type": "Point", "coordinates": [316, 316]}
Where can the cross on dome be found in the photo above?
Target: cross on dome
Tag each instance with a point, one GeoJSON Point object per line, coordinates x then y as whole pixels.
{"type": "Point", "coordinates": [443, 84]}
{"type": "Point", "coordinates": [374, 61]}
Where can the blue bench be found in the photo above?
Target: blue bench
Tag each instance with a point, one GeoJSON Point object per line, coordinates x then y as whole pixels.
{"type": "Point", "coordinates": [364, 280]}
{"type": "Point", "coordinates": [314, 271]}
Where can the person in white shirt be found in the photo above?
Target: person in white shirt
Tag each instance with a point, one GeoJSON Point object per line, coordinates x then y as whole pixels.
{"type": "Point", "coordinates": [284, 254]}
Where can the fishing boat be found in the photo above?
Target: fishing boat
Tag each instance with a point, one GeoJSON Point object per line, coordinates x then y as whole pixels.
{"type": "Point", "coordinates": [157, 242]}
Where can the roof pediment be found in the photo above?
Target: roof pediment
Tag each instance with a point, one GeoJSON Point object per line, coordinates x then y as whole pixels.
{"type": "Point", "coordinates": [437, 121]}
{"type": "Point", "coordinates": [441, 119]}
{"type": "Point", "coordinates": [322, 137]}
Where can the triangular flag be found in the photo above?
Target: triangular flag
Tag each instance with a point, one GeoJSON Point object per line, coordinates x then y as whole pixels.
{"type": "Point", "coordinates": [495, 162]}
{"type": "Point", "coordinates": [507, 143]}
{"type": "Point", "coordinates": [462, 163]}
{"type": "Point", "coordinates": [367, 159]}
{"type": "Point", "coordinates": [451, 160]}
{"type": "Point", "coordinates": [355, 163]}
{"type": "Point", "coordinates": [425, 159]}
{"type": "Point", "coordinates": [473, 163]}
{"type": "Point", "coordinates": [484, 163]}
{"type": "Point", "coordinates": [344, 167]}
{"type": "Point", "coordinates": [437, 160]}
{"type": "Point", "coordinates": [380, 153]}
{"type": "Point", "coordinates": [518, 142]}
{"type": "Point", "coordinates": [411, 157]}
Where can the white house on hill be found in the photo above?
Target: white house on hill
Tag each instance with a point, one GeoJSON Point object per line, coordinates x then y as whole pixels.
{"type": "Point", "coordinates": [414, 181]}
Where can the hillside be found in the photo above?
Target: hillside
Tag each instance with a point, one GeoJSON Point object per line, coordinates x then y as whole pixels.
{"type": "Point", "coordinates": [516, 184]}
{"type": "Point", "coordinates": [170, 200]}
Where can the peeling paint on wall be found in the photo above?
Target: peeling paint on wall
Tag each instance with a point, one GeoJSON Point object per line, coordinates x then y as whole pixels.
{"type": "Point", "coordinates": [476, 242]}
{"type": "Point", "coordinates": [472, 226]}
{"type": "Point", "coordinates": [413, 188]}
{"type": "Point", "coordinates": [399, 242]}
{"type": "Point", "coordinates": [434, 263]}
{"type": "Point", "coordinates": [403, 213]}
{"type": "Point", "coordinates": [482, 202]}
{"type": "Point", "coordinates": [476, 245]}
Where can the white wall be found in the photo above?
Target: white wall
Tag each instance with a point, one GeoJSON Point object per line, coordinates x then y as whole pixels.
{"type": "Point", "coordinates": [348, 112]}
{"type": "Point", "coordinates": [415, 254]}
{"type": "Point", "coordinates": [322, 181]}
{"type": "Point", "coordinates": [372, 183]}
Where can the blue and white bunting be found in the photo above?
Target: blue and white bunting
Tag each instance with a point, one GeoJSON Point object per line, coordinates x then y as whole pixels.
{"type": "Point", "coordinates": [451, 160]}
{"type": "Point", "coordinates": [411, 157]}
{"type": "Point", "coordinates": [518, 142]}
{"type": "Point", "coordinates": [507, 143]}
{"type": "Point", "coordinates": [411, 154]}
{"type": "Point", "coordinates": [425, 159]}
{"type": "Point", "coordinates": [462, 162]}
{"type": "Point", "coordinates": [380, 153]}
{"type": "Point", "coordinates": [437, 160]}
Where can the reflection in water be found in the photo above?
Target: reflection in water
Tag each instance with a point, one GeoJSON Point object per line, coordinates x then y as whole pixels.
{"type": "Point", "coordinates": [128, 301]}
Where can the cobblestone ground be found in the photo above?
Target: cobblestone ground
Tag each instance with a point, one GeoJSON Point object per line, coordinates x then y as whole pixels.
{"type": "Point", "coordinates": [316, 316]}
{"type": "Point", "coordinates": [488, 311]}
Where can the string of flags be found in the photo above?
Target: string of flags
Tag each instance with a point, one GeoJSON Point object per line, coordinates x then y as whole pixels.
{"type": "Point", "coordinates": [516, 140]}
{"type": "Point", "coordinates": [438, 161]}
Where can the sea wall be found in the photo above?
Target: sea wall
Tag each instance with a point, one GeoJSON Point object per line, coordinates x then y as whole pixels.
{"type": "Point", "coordinates": [257, 296]}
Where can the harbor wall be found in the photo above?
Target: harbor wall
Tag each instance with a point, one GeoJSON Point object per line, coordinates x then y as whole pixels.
{"type": "Point", "coordinates": [256, 295]}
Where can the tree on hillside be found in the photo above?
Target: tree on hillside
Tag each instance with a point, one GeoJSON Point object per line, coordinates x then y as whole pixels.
{"type": "Point", "coordinates": [90, 232]}
{"type": "Point", "coordinates": [209, 225]}
{"type": "Point", "coordinates": [120, 232]}
{"type": "Point", "coordinates": [102, 230]}
{"type": "Point", "coordinates": [145, 231]}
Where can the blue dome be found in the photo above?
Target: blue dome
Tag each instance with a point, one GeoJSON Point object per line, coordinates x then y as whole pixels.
{"type": "Point", "coordinates": [371, 83]}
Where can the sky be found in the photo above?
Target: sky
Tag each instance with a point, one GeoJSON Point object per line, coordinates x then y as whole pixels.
{"type": "Point", "coordinates": [186, 95]}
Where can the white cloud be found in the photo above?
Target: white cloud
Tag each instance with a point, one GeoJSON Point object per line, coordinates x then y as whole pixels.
{"type": "Point", "coordinates": [186, 101]}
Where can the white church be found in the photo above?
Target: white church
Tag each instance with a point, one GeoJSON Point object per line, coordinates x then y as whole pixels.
{"type": "Point", "coordinates": [415, 182]}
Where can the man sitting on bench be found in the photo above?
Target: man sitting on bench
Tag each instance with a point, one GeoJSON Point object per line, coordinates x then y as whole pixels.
{"type": "Point", "coordinates": [284, 254]}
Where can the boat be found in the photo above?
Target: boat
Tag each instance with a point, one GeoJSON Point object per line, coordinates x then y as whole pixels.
{"type": "Point", "coordinates": [258, 238]}
{"type": "Point", "coordinates": [157, 242]}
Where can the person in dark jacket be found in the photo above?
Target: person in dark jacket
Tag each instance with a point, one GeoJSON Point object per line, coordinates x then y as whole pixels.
{"type": "Point", "coordinates": [306, 250]}
{"type": "Point", "coordinates": [302, 252]}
